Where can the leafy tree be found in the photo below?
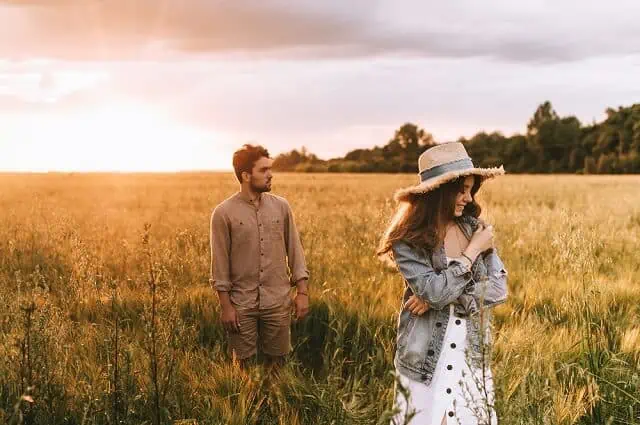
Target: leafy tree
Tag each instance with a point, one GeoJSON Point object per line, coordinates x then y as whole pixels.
{"type": "Point", "coordinates": [551, 144]}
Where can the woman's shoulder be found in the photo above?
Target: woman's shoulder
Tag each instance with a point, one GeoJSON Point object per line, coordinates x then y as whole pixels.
{"type": "Point", "coordinates": [404, 248]}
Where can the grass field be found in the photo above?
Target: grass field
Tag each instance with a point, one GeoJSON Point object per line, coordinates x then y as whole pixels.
{"type": "Point", "coordinates": [107, 317]}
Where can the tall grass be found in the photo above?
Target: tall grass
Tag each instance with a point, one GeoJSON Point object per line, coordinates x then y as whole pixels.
{"type": "Point", "coordinates": [123, 327]}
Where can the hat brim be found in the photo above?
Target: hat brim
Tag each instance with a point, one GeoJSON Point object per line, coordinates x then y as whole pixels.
{"type": "Point", "coordinates": [435, 182]}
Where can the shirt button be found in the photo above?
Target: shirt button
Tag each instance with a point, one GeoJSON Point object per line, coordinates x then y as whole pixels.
{"type": "Point", "coordinates": [430, 353]}
{"type": "Point", "coordinates": [438, 324]}
{"type": "Point", "coordinates": [458, 322]}
{"type": "Point", "coordinates": [449, 367]}
{"type": "Point", "coordinates": [453, 345]}
{"type": "Point", "coordinates": [450, 414]}
{"type": "Point", "coordinates": [448, 390]}
{"type": "Point", "coordinates": [424, 377]}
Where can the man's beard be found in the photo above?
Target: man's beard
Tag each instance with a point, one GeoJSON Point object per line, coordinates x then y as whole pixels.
{"type": "Point", "coordinates": [260, 189]}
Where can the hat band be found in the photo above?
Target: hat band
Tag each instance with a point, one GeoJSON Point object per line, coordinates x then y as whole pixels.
{"type": "Point", "coordinates": [461, 164]}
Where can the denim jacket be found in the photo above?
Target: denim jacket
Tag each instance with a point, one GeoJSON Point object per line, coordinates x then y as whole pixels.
{"type": "Point", "coordinates": [427, 276]}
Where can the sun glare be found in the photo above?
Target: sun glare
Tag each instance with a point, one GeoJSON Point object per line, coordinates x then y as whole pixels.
{"type": "Point", "coordinates": [120, 136]}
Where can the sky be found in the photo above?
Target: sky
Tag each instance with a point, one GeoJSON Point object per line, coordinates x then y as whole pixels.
{"type": "Point", "coordinates": [168, 85]}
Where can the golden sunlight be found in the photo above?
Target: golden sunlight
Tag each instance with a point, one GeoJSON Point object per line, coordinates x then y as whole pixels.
{"type": "Point", "coordinates": [119, 136]}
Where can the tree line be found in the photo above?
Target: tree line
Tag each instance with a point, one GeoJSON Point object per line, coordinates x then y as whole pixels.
{"type": "Point", "coordinates": [552, 144]}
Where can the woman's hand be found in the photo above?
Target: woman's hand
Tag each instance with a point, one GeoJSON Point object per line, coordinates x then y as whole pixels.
{"type": "Point", "coordinates": [416, 306]}
{"type": "Point", "coordinates": [482, 239]}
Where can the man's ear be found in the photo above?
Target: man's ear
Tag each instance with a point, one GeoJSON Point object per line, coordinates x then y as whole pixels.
{"type": "Point", "coordinates": [246, 176]}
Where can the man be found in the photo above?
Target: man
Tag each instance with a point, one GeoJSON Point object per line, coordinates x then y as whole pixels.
{"type": "Point", "coordinates": [254, 241]}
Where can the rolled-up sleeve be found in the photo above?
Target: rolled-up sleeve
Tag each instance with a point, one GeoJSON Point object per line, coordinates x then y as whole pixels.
{"type": "Point", "coordinates": [295, 253]}
{"type": "Point", "coordinates": [438, 289]}
{"type": "Point", "coordinates": [494, 290]}
{"type": "Point", "coordinates": [220, 250]}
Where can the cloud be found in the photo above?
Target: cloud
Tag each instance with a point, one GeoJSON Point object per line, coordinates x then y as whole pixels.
{"type": "Point", "coordinates": [170, 29]}
{"type": "Point", "coordinates": [42, 86]}
{"type": "Point", "coordinates": [121, 29]}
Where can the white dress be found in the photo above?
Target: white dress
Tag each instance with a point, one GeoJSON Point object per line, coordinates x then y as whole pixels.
{"type": "Point", "coordinates": [456, 394]}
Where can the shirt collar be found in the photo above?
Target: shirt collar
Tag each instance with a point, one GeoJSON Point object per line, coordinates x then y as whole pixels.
{"type": "Point", "coordinates": [245, 197]}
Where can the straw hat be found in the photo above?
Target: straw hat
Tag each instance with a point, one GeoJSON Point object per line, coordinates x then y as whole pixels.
{"type": "Point", "coordinates": [441, 164]}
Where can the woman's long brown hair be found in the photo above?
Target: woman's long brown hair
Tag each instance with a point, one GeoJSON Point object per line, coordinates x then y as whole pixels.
{"type": "Point", "coordinates": [421, 220]}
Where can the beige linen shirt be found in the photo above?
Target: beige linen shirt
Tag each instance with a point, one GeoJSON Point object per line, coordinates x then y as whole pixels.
{"type": "Point", "coordinates": [256, 253]}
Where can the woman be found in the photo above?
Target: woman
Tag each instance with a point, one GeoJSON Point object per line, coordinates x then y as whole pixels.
{"type": "Point", "coordinates": [453, 276]}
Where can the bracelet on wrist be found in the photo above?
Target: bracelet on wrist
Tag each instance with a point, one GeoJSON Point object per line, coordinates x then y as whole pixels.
{"type": "Point", "coordinates": [302, 293]}
{"type": "Point", "coordinates": [468, 258]}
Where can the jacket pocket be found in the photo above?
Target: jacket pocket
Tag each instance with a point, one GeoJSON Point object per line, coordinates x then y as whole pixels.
{"type": "Point", "coordinates": [413, 342]}
{"type": "Point", "coordinates": [405, 329]}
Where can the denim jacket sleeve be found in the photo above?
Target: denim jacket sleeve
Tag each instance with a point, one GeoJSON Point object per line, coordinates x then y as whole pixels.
{"type": "Point", "coordinates": [439, 289]}
{"type": "Point", "coordinates": [494, 289]}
